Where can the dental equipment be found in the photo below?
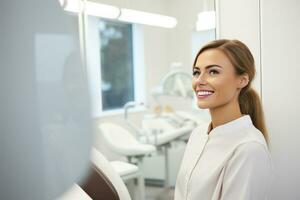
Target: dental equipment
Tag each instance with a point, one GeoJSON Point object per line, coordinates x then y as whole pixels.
{"type": "Point", "coordinates": [112, 171]}
{"type": "Point", "coordinates": [162, 128]}
{"type": "Point", "coordinates": [175, 83]}
{"type": "Point", "coordinates": [104, 181]}
{"type": "Point", "coordinates": [75, 193]}
{"type": "Point", "coordinates": [121, 142]}
{"type": "Point", "coordinates": [129, 105]}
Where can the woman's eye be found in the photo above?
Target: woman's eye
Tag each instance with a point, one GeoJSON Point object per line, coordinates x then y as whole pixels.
{"type": "Point", "coordinates": [213, 72]}
{"type": "Point", "coordinates": [196, 73]}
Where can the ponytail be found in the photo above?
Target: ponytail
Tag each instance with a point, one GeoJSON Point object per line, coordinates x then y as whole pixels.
{"type": "Point", "coordinates": [250, 104]}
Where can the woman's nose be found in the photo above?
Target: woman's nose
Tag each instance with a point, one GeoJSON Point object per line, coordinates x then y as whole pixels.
{"type": "Point", "coordinates": [201, 79]}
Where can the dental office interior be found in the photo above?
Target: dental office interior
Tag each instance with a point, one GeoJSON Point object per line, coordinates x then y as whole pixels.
{"type": "Point", "coordinates": [96, 96]}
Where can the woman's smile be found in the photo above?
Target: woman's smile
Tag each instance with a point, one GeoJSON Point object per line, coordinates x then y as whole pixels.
{"type": "Point", "coordinates": [203, 94]}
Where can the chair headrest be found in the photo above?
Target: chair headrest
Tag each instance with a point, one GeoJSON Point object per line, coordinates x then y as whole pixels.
{"type": "Point", "coordinates": [98, 186]}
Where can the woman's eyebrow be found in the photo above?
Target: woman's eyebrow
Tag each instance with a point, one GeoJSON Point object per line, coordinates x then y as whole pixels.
{"type": "Point", "coordinates": [207, 67]}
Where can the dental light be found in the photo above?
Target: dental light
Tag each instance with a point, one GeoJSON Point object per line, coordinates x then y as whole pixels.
{"type": "Point", "coordinates": [123, 14]}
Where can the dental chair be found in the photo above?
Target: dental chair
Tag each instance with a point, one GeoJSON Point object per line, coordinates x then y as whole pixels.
{"type": "Point", "coordinates": [75, 193]}
{"type": "Point", "coordinates": [103, 182]}
{"type": "Point", "coordinates": [124, 170]}
{"type": "Point", "coordinates": [161, 130]}
{"type": "Point", "coordinates": [123, 143]}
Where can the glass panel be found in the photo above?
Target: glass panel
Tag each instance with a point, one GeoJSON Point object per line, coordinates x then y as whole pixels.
{"type": "Point", "coordinates": [45, 122]}
{"type": "Point", "coordinates": [116, 64]}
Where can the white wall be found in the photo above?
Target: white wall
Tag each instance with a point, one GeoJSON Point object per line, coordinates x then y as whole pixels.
{"type": "Point", "coordinates": [281, 93]}
{"type": "Point", "coordinates": [280, 31]}
{"type": "Point", "coordinates": [239, 19]}
{"type": "Point", "coordinates": [181, 40]}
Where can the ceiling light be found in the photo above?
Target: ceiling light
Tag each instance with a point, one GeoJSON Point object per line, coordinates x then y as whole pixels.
{"type": "Point", "coordinates": [206, 21]}
{"type": "Point", "coordinates": [126, 15]}
{"type": "Point", "coordinates": [93, 9]}
{"type": "Point", "coordinates": [140, 17]}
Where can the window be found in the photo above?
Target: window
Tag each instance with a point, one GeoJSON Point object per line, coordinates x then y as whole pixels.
{"type": "Point", "coordinates": [116, 55]}
{"type": "Point", "coordinates": [115, 65]}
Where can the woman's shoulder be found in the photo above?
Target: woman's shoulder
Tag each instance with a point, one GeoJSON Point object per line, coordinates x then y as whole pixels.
{"type": "Point", "coordinates": [251, 148]}
{"type": "Point", "coordinates": [254, 135]}
{"type": "Point", "coordinates": [245, 140]}
{"type": "Point", "coordinates": [256, 153]}
{"type": "Point", "coordinates": [252, 157]}
{"type": "Point", "coordinates": [253, 145]}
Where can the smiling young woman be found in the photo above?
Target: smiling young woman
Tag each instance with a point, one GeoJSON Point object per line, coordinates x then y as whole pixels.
{"type": "Point", "coordinates": [228, 158]}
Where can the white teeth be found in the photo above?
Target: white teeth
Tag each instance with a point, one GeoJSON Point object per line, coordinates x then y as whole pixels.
{"type": "Point", "coordinates": [201, 93]}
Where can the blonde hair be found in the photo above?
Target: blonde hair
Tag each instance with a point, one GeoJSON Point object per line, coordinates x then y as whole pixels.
{"type": "Point", "coordinates": [241, 58]}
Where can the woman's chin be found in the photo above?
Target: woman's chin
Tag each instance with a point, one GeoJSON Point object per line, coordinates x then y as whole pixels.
{"type": "Point", "coordinates": [203, 105]}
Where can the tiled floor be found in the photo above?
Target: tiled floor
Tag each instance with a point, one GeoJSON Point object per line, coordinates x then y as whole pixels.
{"type": "Point", "coordinates": [158, 193]}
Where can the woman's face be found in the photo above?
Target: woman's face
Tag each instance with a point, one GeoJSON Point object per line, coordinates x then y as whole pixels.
{"type": "Point", "coordinates": [214, 80]}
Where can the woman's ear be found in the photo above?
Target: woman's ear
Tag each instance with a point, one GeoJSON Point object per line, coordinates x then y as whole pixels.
{"type": "Point", "coordinates": [243, 81]}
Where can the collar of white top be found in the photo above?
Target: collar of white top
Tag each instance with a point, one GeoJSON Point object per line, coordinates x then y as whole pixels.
{"type": "Point", "coordinates": [243, 121]}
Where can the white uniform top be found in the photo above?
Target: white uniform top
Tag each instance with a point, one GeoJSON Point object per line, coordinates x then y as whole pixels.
{"type": "Point", "coordinates": [231, 163]}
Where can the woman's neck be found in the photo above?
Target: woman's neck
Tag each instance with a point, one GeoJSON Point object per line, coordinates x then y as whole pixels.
{"type": "Point", "coordinates": [225, 113]}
